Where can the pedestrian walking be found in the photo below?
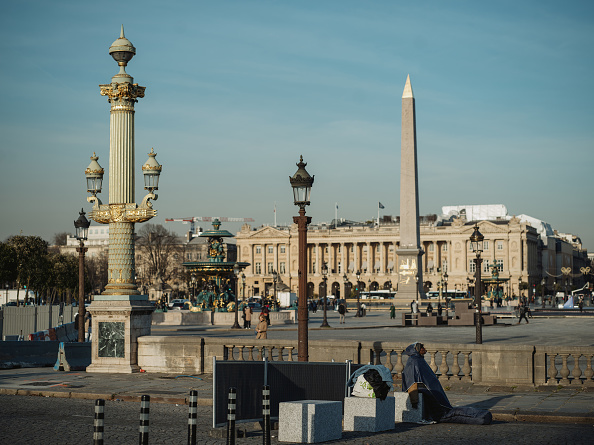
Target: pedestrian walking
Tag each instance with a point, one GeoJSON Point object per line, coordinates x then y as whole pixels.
{"type": "Point", "coordinates": [248, 317]}
{"type": "Point", "coordinates": [342, 312]}
{"type": "Point", "coordinates": [392, 311]}
{"type": "Point", "coordinates": [429, 309]}
{"type": "Point", "coordinates": [262, 328]}
{"type": "Point", "coordinates": [522, 313]}
{"type": "Point", "coordinates": [439, 309]}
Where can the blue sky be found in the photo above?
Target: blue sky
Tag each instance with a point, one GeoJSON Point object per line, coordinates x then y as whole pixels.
{"type": "Point", "coordinates": [237, 90]}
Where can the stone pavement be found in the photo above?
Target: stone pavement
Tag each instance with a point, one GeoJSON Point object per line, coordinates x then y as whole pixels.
{"type": "Point", "coordinates": [552, 405]}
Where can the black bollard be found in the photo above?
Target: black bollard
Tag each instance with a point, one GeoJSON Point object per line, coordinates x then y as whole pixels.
{"type": "Point", "coordinates": [266, 414]}
{"type": "Point", "coordinates": [231, 416]}
{"type": "Point", "coordinates": [143, 429]}
{"type": "Point", "coordinates": [192, 416]}
{"type": "Point", "coordinates": [98, 423]}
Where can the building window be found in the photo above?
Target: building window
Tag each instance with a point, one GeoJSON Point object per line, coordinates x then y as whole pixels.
{"type": "Point", "coordinates": [270, 268]}
{"type": "Point", "coordinates": [431, 247]}
{"type": "Point", "coordinates": [281, 268]}
{"type": "Point", "coordinates": [472, 267]}
{"type": "Point", "coordinates": [258, 249]}
{"type": "Point", "coordinates": [339, 248]}
{"type": "Point", "coordinates": [444, 247]}
{"type": "Point", "coordinates": [485, 245]}
{"type": "Point", "coordinates": [339, 268]}
{"type": "Point", "coordinates": [258, 268]}
{"type": "Point", "coordinates": [486, 267]}
{"type": "Point", "coordinates": [313, 267]}
{"type": "Point", "coordinates": [499, 245]}
{"type": "Point", "coordinates": [444, 266]}
{"type": "Point", "coordinates": [352, 248]}
{"type": "Point", "coordinates": [326, 249]}
{"type": "Point", "coordinates": [282, 248]}
{"type": "Point", "coordinates": [189, 257]}
{"type": "Point", "coordinates": [270, 249]}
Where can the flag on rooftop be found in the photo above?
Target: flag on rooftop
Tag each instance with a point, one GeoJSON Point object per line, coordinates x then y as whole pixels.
{"type": "Point", "coordinates": [380, 205]}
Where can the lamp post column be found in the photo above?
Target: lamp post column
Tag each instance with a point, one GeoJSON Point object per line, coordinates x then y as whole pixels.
{"type": "Point", "coordinates": [478, 320]}
{"type": "Point", "coordinates": [302, 221]}
{"type": "Point", "coordinates": [81, 291]}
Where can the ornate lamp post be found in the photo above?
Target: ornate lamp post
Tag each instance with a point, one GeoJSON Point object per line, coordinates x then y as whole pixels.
{"type": "Point", "coordinates": [566, 272]}
{"type": "Point", "coordinates": [193, 281]}
{"type": "Point", "coordinates": [301, 183]}
{"type": "Point", "coordinates": [243, 283]}
{"type": "Point", "coordinates": [445, 285]}
{"type": "Point", "coordinates": [121, 314]}
{"type": "Point", "coordinates": [236, 271]}
{"type": "Point", "coordinates": [519, 289]}
{"type": "Point", "coordinates": [274, 281]}
{"type": "Point", "coordinates": [82, 231]}
{"type": "Point", "coordinates": [476, 241]}
{"type": "Point", "coordinates": [358, 314]}
{"type": "Point", "coordinates": [543, 282]}
{"type": "Point", "coordinates": [345, 279]}
{"type": "Point", "coordinates": [417, 286]}
{"type": "Point", "coordinates": [325, 278]}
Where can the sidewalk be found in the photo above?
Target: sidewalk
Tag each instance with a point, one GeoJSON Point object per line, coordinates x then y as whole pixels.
{"type": "Point", "coordinates": [548, 405]}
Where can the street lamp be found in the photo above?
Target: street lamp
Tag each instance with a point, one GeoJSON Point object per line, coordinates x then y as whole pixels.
{"type": "Point", "coordinates": [417, 286]}
{"type": "Point", "coordinates": [325, 278]}
{"type": "Point", "coordinates": [243, 282]}
{"type": "Point", "coordinates": [82, 231]}
{"type": "Point", "coordinates": [566, 271]}
{"type": "Point", "coordinates": [274, 280]}
{"type": "Point", "coordinates": [542, 291]}
{"type": "Point", "coordinates": [236, 271]}
{"type": "Point", "coordinates": [301, 183]}
{"type": "Point", "coordinates": [358, 314]}
{"type": "Point", "coordinates": [193, 281]}
{"type": "Point", "coordinates": [476, 242]}
{"type": "Point", "coordinates": [519, 289]}
{"type": "Point", "coordinates": [445, 284]}
{"type": "Point", "coordinates": [345, 279]}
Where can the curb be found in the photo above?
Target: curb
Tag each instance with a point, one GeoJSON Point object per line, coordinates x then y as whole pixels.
{"type": "Point", "coordinates": [500, 416]}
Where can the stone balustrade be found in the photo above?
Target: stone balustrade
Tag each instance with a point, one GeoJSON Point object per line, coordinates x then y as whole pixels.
{"type": "Point", "coordinates": [566, 365]}
{"type": "Point", "coordinates": [498, 364]}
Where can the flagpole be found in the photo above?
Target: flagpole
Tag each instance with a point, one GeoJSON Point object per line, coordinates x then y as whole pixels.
{"type": "Point", "coordinates": [274, 213]}
{"type": "Point", "coordinates": [378, 209]}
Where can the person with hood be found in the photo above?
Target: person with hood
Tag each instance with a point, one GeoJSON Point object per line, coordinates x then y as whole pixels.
{"type": "Point", "coordinates": [418, 376]}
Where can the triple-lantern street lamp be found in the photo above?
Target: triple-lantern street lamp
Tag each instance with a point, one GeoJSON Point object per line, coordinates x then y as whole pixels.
{"type": "Point", "coordinates": [476, 242]}
{"type": "Point", "coordinates": [82, 232]}
{"type": "Point", "coordinates": [301, 183]}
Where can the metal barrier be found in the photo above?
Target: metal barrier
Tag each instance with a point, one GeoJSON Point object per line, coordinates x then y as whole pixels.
{"type": "Point", "coordinates": [287, 381]}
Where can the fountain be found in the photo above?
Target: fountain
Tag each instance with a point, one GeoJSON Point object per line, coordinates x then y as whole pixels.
{"type": "Point", "coordinates": [217, 274]}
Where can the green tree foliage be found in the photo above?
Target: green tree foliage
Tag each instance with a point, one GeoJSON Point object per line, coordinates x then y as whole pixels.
{"type": "Point", "coordinates": [30, 254]}
{"type": "Point", "coordinates": [8, 263]}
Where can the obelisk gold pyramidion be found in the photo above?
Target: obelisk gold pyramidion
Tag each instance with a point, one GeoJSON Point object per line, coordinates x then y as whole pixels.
{"type": "Point", "coordinates": [120, 313]}
{"type": "Point", "coordinates": [410, 277]}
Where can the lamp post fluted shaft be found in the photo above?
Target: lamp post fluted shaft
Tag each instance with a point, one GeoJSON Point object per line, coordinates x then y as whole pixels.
{"type": "Point", "coordinates": [302, 341]}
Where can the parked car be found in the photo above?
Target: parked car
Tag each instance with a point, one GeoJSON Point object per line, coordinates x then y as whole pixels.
{"type": "Point", "coordinates": [176, 300]}
{"type": "Point", "coordinates": [255, 306]}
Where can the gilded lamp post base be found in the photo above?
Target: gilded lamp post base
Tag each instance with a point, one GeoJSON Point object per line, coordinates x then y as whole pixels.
{"type": "Point", "coordinates": [117, 322]}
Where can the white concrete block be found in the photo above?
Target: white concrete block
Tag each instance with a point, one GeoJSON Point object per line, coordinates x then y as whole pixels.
{"type": "Point", "coordinates": [404, 411]}
{"type": "Point", "coordinates": [309, 421]}
{"type": "Point", "coordinates": [367, 414]}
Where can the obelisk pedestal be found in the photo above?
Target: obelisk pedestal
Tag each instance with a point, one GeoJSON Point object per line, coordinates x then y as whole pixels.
{"type": "Point", "coordinates": [410, 273]}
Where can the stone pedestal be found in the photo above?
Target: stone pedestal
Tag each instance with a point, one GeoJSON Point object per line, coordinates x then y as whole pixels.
{"type": "Point", "coordinates": [367, 414]}
{"type": "Point", "coordinates": [118, 321]}
{"type": "Point", "coordinates": [309, 421]}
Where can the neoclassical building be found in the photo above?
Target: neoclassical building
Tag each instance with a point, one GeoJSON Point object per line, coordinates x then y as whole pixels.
{"type": "Point", "coordinates": [513, 245]}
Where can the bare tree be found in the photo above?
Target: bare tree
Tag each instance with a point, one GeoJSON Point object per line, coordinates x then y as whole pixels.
{"type": "Point", "coordinates": [159, 251]}
{"type": "Point", "coordinates": [60, 238]}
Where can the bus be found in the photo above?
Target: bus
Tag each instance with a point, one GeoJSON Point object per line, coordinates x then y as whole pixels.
{"type": "Point", "coordinates": [449, 295]}
{"type": "Point", "coordinates": [377, 294]}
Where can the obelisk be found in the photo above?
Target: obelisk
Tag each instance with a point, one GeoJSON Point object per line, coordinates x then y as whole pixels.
{"type": "Point", "coordinates": [410, 276]}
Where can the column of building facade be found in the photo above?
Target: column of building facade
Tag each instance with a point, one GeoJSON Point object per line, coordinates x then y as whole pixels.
{"type": "Point", "coordinates": [449, 244]}
{"type": "Point", "coordinates": [343, 263]}
{"type": "Point", "coordinates": [369, 258]}
{"type": "Point", "coordinates": [275, 254]}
